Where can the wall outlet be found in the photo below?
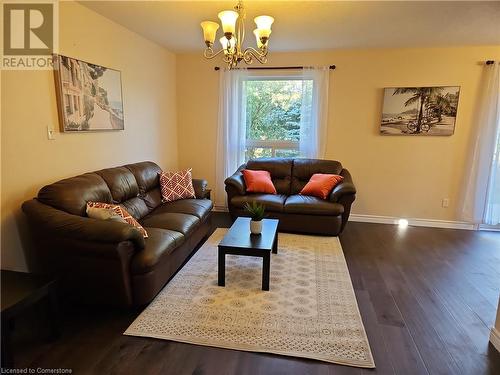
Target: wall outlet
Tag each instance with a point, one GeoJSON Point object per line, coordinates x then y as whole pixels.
{"type": "Point", "coordinates": [50, 133]}
{"type": "Point", "coordinates": [445, 202]}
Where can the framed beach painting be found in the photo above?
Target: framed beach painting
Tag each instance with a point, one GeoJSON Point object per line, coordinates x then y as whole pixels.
{"type": "Point", "coordinates": [89, 96]}
{"type": "Point", "coordinates": [419, 110]}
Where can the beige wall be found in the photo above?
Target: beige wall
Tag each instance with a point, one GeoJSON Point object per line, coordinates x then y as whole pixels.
{"type": "Point", "coordinates": [395, 175]}
{"type": "Point", "coordinates": [29, 160]}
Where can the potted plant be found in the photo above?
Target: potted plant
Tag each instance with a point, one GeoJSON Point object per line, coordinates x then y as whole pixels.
{"type": "Point", "coordinates": [257, 212]}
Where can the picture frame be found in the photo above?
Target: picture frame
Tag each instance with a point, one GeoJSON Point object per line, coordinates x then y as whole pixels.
{"type": "Point", "coordinates": [420, 111]}
{"type": "Point", "coordinates": [89, 96]}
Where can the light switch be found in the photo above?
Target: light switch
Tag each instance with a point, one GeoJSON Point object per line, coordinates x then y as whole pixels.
{"type": "Point", "coordinates": [50, 133]}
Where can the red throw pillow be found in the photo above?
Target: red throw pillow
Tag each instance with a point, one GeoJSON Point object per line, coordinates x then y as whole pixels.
{"type": "Point", "coordinates": [121, 212]}
{"type": "Point", "coordinates": [258, 181]}
{"type": "Point", "coordinates": [176, 185]}
{"type": "Point", "coordinates": [320, 185]}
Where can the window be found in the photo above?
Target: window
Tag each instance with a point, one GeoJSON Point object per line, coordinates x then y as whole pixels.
{"type": "Point", "coordinates": [273, 116]}
{"type": "Point", "coordinates": [283, 115]}
{"type": "Point", "coordinates": [481, 203]}
{"type": "Point", "coordinates": [67, 103]}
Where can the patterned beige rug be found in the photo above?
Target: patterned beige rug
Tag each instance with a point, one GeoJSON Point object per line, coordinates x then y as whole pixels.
{"type": "Point", "coordinates": [310, 310]}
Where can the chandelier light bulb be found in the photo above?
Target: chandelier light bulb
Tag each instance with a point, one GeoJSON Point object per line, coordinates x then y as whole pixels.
{"type": "Point", "coordinates": [264, 25]}
{"type": "Point", "coordinates": [260, 42]}
{"type": "Point", "coordinates": [228, 19]}
{"type": "Point", "coordinates": [225, 43]}
{"type": "Point", "coordinates": [209, 31]}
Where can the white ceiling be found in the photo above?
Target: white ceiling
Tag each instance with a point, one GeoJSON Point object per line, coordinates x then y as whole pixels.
{"type": "Point", "coordinates": [315, 25]}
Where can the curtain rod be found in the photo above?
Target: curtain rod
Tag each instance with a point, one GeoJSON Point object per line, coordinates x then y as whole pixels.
{"type": "Point", "coordinates": [331, 67]}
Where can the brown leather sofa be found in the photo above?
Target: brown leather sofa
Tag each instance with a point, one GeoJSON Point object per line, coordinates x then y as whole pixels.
{"type": "Point", "coordinates": [296, 213]}
{"type": "Point", "coordinates": [109, 262]}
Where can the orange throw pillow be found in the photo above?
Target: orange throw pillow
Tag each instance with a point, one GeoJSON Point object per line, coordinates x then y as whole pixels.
{"type": "Point", "coordinates": [320, 185]}
{"type": "Point", "coordinates": [258, 181]}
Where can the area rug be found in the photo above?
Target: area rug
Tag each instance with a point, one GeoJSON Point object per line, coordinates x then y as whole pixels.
{"type": "Point", "coordinates": [310, 310]}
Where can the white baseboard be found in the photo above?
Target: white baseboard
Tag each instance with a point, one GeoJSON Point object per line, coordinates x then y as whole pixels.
{"type": "Point", "coordinates": [394, 220]}
{"type": "Point", "coordinates": [495, 338]}
{"type": "Point", "coordinates": [415, 222]}
{"type": "Point", "coordinates": [492, 228]}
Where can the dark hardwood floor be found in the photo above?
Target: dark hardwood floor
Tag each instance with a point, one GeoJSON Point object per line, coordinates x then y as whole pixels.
{"type": "Point", "coordinates": [428, 298]}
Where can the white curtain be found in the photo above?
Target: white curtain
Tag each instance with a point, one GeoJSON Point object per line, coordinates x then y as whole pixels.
{"type": "Point", "coordinates": [314, 112]}
{"type": "Point", "coordinates": [482, 194]}
{"type": "Point", "coordinates": [231, 131]}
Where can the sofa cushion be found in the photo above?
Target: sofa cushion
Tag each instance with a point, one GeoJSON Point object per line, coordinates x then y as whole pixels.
{"type": "Point", "coordinates": [280, 169]}
{"type": "Point", "coordinates": [124, 190]}
{"type": "Point", "coordinates": [197, 207]}
{"type": "Point", "coordinates": [146, 175]}
{"type": "Point", "coordinates": [159, 244]}
{"type": "Point", "coordinates": [272, 202]}
{"type": "Point", "coordinates": [148, 181]}
{"type": "Point", "coordinates": [303, 169]}
{"type": "Point", "coordinates": [303, 204]}
{"type": "Point", "coordinates": [152, 198]}
{"type": "Point", "coordinates": [182, 223]}
{"type": "Point", "coordinates": [121, 183]}
{"type": "Point", "coordinates": [72, 194]}
{"type": "Point", "coordinates": [137, 207]}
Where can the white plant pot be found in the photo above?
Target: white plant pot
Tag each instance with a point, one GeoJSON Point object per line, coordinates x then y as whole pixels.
{"type": "Point", "coordinates": [256, 227]}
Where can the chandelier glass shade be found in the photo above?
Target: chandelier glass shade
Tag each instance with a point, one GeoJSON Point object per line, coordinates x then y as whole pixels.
{"type": "Point", "coordinates": [233, 27]}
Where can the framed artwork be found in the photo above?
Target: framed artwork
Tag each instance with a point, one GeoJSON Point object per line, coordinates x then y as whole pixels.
{"type": "Point", "coordinates": [89, 96]}
{"type": "Point", "coordinates": [419, 110]}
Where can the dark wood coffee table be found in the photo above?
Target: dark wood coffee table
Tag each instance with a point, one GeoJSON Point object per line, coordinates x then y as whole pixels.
{"type": "Point", "coordinates": [239, 241]}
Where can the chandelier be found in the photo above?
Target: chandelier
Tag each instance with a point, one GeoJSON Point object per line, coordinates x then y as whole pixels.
{"type": "Point", "coordinates": [233, 25]}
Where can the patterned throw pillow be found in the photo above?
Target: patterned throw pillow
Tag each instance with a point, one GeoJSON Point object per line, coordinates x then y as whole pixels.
{"type": "Point", "coordinates": [104, 214]}
{"type": "Point", "coordinates": [121, 212]}
{"type": "Point", "coordinates": [176, 185]}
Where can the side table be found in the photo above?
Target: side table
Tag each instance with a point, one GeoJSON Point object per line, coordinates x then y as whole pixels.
{"type": "Point", "coordinates": [20, 291]}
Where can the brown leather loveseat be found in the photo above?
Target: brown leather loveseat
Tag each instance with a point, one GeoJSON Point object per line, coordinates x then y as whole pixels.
{"type": "Point", "coordinates": [296, 213]}
{"type": "Point", "coordinates": [109, 262]}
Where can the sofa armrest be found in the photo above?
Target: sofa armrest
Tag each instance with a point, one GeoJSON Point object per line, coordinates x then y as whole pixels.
{"type": "Point", "coordinates": [65, 225]}
{"type": "Point", "coordinates": [237, 182]}
{"type": "Point", "coordinates": [200, 188]}
{"type": "Point", "coordinates": [346, 187]}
